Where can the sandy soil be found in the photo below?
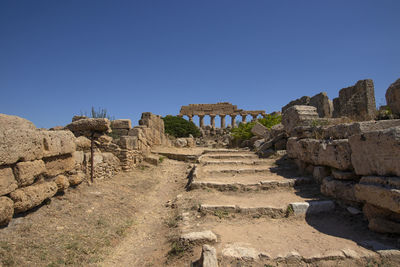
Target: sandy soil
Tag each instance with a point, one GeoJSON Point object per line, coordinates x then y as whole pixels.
{"type": "Point", "coordinates": [116, 222]}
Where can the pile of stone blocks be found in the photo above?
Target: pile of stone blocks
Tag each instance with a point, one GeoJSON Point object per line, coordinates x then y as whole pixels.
{"type": "Point", "coordinates": [356, 102]}
{"type": "Point", "coordinates": [355, 163]}
{"type": "Point", "coordinates": [272, 140]}
{"type": "Point", "coordinates": [321, 102]}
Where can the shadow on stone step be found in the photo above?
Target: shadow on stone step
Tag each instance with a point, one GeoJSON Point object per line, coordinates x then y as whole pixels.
{"type": "Point", "coordinates": [285, 168]}
{"type": "Point", "coordinates": [341, 224]}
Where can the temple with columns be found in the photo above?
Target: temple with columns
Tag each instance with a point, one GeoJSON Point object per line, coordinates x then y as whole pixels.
{"type": "Point", "coordinates": [222, 110]}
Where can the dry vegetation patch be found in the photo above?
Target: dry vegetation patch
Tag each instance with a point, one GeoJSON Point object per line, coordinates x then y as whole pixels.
{"type": "Point", "coordinates": [81, 227]}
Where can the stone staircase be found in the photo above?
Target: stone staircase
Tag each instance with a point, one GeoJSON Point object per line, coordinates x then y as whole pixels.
{"type": "Point", "coordinates": [259, 212]}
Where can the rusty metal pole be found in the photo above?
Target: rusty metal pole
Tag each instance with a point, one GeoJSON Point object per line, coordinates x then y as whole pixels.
{"type": "Point", "coordinates": [91, 158]}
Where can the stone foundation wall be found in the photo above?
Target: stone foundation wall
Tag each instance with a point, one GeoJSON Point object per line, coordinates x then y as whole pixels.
{"type": "Point", "coordinates": [356, 163]}
{"type": "Point", "coordinates": [34, 165]}
{"type": "Point", "coordinates": [37, 164]}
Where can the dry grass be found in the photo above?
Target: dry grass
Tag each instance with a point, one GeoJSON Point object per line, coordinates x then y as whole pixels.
{"type": "Point", "coordinates": [76, 229]}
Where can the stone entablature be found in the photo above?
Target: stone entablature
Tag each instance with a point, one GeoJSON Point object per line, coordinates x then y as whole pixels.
{"type": "Point", "coordinates": [222, 110]}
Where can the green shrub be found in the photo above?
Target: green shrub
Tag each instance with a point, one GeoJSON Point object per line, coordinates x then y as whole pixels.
{"type": "Point", "coordinates": [270, 120]}
{"type": "Point", "coordinates": [243, 131]}
{"type": "Point", "coordinates": [179, 127]}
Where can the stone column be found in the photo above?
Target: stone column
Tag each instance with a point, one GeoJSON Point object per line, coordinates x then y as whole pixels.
{"type": "Point", "coordinates": [233, 124]}
{"type": "Point", "coordinates": [222, 121]}
{"type": "Point", "coordinates": [212, 120]}
{"type": "Point", "coordinates": [244, 118]}
{"type": "Point", "coordinates": [201, 121]}
{"type": "Point", "coordinates": [190, 118]}
{"type": "Point", "coordinates": [254, 117]}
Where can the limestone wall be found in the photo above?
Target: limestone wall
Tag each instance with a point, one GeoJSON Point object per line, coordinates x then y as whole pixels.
{"type": "Point", "coordinates": [356, 163]}
{"type": "Point", "coordinates": [37, 164]}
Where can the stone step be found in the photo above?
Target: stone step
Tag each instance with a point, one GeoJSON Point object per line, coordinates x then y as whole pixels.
{"type": "Point", "coordinates": [207, 162]}
{"type": "Point", "coordinates": [332, 239]}
{"type": "Point", "coordinates": [275, 204]}
{"type": "Point", "coordinates": [230, 156]}
{"type": "Point", "coordinates": [248, 185]}
{"type": "Point", "coordinates": [231, 151]}
{"type": "Point", "coordinates": [216, 171]}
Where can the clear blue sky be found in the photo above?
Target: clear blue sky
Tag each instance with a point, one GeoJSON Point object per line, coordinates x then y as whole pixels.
{"type": "Point", "coordinates": [58, 58]}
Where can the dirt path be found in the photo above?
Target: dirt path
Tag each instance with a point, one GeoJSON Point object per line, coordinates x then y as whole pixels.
{"type": "Point", "coordinates": [147, 243]}
{"type": "Point", "coordinates": [115, 222]}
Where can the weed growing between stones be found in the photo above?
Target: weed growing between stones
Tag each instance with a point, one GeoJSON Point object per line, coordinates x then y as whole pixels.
{"type": "Point", "coordinates": [161, 159]}
{"type": "Point", "coordinates": [221, 213]}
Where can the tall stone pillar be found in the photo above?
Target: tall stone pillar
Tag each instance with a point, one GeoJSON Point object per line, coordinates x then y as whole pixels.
{"type": "Point", "coordinates": [212, 120]}
{"type": "Point", "coordinates": [201, 121]}
{"type": "Point", "coordinates": [254, 117]}
{"type": "Point", "coordinates": [222, 121]}
{"type": "Point", "coordinates": [244, 118]}
{"type": "Point", "coordinates": [233, 124]}
{"type": "Point", "coordinates": [190, 118]}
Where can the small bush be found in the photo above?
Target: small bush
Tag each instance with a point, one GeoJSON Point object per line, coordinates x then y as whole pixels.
{"type": "Point", "coordinates": [179, 127]}
{"type": "Point", "coordinates": [243, 131]}
{"type": "Point", "coordinates": [100, 113]}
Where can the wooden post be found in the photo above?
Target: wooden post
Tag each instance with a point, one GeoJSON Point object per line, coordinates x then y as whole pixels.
{"type": "Point", "coordinates": [91, 158]}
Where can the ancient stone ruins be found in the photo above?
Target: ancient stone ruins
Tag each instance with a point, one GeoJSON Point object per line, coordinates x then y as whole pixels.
{"type": "Point", "coordinates": [320, 189]}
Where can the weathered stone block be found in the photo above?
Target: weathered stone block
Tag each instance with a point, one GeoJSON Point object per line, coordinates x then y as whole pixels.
{"type": "Point", "coordinates": [371, 211]}
{"type": "Point", "coordinates": [19, 145]}
{"type": "Point", "coordinates": [57, 143]}
{"type": "Point", "coordinates": [90, 125]}
{"type": "Point", "coordinates": [76, 179]}
{"type": "Point", "coordinates": [128, 142]}
{"type": "Point", "coordinates": [180, 142]}
{"type": "Point", "coordinates": [342, 175]}
{"type": "Point", "coordinates": [78, 117]}
{"type": "Point", "coordinates": [277, 130]}
{"type": "Point", "coordinates": [121, 124]}
{"type": "Point", "coordinates": [382, 225]}
{"type": "Point", "coordinates": [380, 191]}
{"type": "Point", "coordinates": [59, 165]}
{"type": "Point", "coordinates": [27, 171]}
{"type": "Point", "coordinates": [345, 130]}
{"type": "Point", "coordinates": [152, 159]}
{"type": "Point", "coordinates": [338, 189]}
{"type": "Point", "coordinates": [376, 152]}
{"type": "Point", "coordinates": [260, 130]}
{"type": "Point", "coordinates": [393, 97]}
{"type": "Point", "coordinates": [356, 102]}
{"type": "Point", "coordinates": [6, 210]}
{"type": "Point", "coordinates": [209, 256]}
{"type": "Point", "coordinates": [32, 196]}
{"type": "Point", "coordinates": [62, 183]}
{"type": "Point", "coordinates": [7, 181]}
{"type": "Point", "coordinates": [298, 116]}
{"type": "Point", "coordinates": [82, 143]}
{"type": "Point", "coordinates": [334, 153]}
{"type": "Point", "coordinates": [303, 101]}
{"type": "Point", "coordinates": [323, 104]}
{"type": "Point", "coordinates": [199, 237]}
{"type": "Point", "coordinates": [320, 172]}
{"type": "Point", "coordinates": [15, 122]}
{"type": "Point", "coordinates": [120, 132]}
{"type": "Point", "coordinates": [78, 157]}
